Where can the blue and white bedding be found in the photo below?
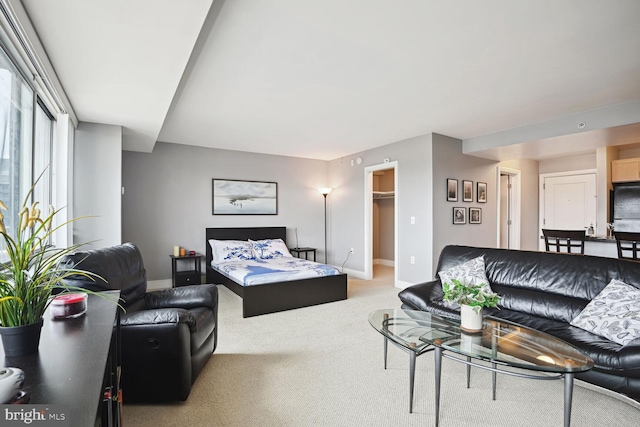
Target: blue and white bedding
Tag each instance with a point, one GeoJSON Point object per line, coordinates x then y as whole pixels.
{"type": "Point", "coordinates": [259, 271]}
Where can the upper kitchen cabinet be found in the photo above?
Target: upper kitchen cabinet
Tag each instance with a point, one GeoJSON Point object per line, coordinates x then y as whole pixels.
{"type": "Point", "coordinates": [625, 170]}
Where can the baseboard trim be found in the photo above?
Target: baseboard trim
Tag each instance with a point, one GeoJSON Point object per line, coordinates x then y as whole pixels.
{"type": "Point", "coordinates": [403, 285]}
{"type": "Point", "coordinates": [354, 273]}
{"type": "Point", "coordinates": [154, 285]}
{"type": "Point", "coordinates": [387, 262]}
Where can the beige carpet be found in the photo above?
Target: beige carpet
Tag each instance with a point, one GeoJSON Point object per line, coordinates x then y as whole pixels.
{"type": "Point", "coordinates": [322, 366]}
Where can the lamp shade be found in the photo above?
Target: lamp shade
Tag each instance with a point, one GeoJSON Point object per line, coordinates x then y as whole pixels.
{"type": "Point", "coordinates": [325, 191]}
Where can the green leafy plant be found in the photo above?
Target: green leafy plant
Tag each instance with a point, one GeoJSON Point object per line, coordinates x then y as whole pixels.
{"type": "Point", "coordinates": [464, 293]}
{"type": "Point", "coordinates": [32, 273]}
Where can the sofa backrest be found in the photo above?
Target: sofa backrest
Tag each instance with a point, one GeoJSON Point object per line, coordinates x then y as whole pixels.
{"type": "Point", "coordinates": [552, 285]}
{"type": "Point", "coordinates": [120, 266]}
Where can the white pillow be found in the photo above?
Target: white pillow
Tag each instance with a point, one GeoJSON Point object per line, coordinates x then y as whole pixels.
{"type": "Point", "coordinates": [471, 271]}
{"type": "Point", "coordinates": [614, 313]}
{"type": "Point", "coordinates": [230, 250]}
{"type": "Point", "coordinates": [270, 248]}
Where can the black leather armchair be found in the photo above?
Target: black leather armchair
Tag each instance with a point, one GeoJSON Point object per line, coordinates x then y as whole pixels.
{"type": "Point", "coordinates": [167, 336]}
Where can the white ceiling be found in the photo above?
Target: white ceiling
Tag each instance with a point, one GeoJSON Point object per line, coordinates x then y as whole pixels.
{"type": "Point", "coordinates": [324, 79]}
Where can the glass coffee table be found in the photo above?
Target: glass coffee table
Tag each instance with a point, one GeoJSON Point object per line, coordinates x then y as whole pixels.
{"type": "Point", "coordinates": [404, 329]}
{"type": "Point", "coordinates": [500, 344]}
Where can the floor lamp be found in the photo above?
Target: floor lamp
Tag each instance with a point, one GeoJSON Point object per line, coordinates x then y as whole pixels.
{"type": "Point", "coordinates": [325, 192]}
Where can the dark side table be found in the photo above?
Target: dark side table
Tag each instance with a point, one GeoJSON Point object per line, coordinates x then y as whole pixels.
{"type": "Point", "coordinates": [305, 251]}
{"type": "Point", "coordinates": [192, 275]}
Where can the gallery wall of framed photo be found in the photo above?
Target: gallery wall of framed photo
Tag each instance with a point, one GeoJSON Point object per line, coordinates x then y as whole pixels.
{"type": "Point", "coordinates": [466, 191]}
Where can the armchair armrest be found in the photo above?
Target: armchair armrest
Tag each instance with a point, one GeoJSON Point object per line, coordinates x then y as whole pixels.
{"type": "Point", "coordinates": [159, 316]}
{"type": "Point", "coordinates": [186, 297]}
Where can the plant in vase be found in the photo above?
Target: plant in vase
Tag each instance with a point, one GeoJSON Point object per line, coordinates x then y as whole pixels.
{"type": "Point", "coordinates": [30, 276]}
{"type": "Point", "coordinates": [471, 299]}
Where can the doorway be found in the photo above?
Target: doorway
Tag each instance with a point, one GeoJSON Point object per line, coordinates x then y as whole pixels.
{"type": "Point", "coordinates": [508, 189]}
{"type": "Point", "coordinates": [567, 201]}
{"type": "Point", "coordinates": [381, 220]}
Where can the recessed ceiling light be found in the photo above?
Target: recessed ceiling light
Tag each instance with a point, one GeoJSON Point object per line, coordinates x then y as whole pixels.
{"type": "Point", "coordinates": [581, 125]}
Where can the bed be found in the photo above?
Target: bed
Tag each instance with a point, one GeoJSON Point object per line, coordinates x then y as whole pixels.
{"type": "Point", "coordinates": [277, 296]}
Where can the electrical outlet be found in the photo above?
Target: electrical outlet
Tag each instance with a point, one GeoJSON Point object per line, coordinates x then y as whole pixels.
{"type": "Point", "coordinates": [413, 220]}
{"type": "Point", "coordinates": [351, 251]}
{"type": "Point", "coordinates": [412, 260]}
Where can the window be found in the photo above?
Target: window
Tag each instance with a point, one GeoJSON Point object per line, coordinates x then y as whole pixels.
{"type": "Point", "coordinates": [25, 149]}
{"type": "Point", "coordinates": [42, 146]}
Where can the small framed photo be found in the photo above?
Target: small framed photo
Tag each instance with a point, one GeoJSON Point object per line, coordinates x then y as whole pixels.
{"type": "Point", "coordinates": [475, 215]}
{"type": "Point", "coordinates": [452, 190]}
{"type": "Point", "coordinates": [459, 215]}
{"type": "Point", "coordinates": [482, 192]}
{"type": "Point", "coordinates": [467, 191]}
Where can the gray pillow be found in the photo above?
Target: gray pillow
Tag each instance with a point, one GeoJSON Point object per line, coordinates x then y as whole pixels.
{"type": "Point", "coordinates": [614, 313]}
{"type": "Point", "coordinates": [471, 271]}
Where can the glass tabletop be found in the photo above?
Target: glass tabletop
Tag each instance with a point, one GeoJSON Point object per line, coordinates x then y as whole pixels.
{"type": "Point", "coordinates": [404, 327]}
{"type": "Point", "coordinates": [499, 342]}
{"type": "Point", "coordinates": [509, 344]}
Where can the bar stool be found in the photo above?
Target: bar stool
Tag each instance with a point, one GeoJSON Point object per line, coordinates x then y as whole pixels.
{"type": "Point", "coordinates": [567, 239]}
{"type": "Point", "coordinates": [628, 245]}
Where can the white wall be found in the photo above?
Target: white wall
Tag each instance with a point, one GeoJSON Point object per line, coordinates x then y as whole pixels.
{"type": "Point", "coordinates": [97, 179]}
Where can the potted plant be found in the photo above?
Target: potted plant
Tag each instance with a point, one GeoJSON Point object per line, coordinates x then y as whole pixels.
{"type": "Point", "coordinates": [29, 277]}
{"type": "Point", "coordinates": [471, 299]}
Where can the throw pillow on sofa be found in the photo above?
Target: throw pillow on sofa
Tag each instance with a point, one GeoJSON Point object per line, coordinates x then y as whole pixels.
{"type": "Point", "coordinates": [614, 313]}
{"type": "Point", "coordinates": [472, 271]}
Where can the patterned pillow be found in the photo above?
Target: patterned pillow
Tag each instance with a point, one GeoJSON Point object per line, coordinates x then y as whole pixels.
{"type": "Point", "coordinates": [471, 271]}
{"type": "Point", "coordinates": [230, 250]}
{"type": "Point", "coordinates": [614, 313]}
{"type": "Point", "coordinates": [270, 248]}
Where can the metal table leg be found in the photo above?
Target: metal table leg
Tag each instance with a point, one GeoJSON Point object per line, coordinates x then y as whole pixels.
{"type": "Point", "coordinates": [438, 369]}
{"type": "Point", "coordinates": [493, 380]}
{"type": "Point", "coordinates": [386, 344]}
{"type": "Point", "coordinates": [412, 376]}
{"type": "Point", "coordinates": [568, 396]}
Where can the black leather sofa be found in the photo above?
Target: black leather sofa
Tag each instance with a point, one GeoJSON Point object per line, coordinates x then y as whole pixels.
{"type": "Point", "coordinates": [167, 336]}
{"type": "Point", "coordinates": [545, 291]}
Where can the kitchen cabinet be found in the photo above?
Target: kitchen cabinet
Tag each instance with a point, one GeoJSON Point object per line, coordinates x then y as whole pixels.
{"type": "Point", "coordinates": [625, 170]}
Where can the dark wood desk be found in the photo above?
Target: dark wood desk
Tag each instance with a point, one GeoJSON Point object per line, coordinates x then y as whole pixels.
{"type": "Point", "coordinates": [76, 364]}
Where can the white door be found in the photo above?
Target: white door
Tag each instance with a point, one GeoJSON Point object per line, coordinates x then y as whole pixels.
{"type": "Point", "coordinates": [569, 202]}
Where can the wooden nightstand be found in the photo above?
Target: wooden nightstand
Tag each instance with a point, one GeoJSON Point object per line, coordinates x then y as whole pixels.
{"type": "Point", "coordinates": [305, 251]}
{"type": "Point", "coordinates": [190, 272]}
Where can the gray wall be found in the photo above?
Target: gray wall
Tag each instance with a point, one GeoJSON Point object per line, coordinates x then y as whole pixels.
{"type": "Point", "coordinates": [97, 182]}
{"type": "Point", "coordinates": [449, 162]}
{"type": "Point", "coordinates": [167, 198]}
{"type": "Point", "coordinates": [383, 218]}
{"type": "Point", "coordinates": [568, 163]}
{"type": "Point", "coordinates": [383, 234]}
{"type": "Point", "coordinates": [414, 199]}
{"type": "Point", "coordinates": [529, 201]}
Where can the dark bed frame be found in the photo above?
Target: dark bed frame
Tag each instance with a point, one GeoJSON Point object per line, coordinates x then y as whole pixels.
{"type": "Point", "coordinates": [278, 296]}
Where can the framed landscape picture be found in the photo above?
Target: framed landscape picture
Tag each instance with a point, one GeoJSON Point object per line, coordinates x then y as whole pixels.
{"type": "Point", "coordinates": [459, 215]}
{"type": "Point", "coordinates": [452, 190]}
{"type": "Point", "coordinates": [467, 191]}
{"type": "Point", "coordinates": [482, 192]}
{"type": "Point", "coordinates": [475, 215]}
{"type": "Point", "coordinates": [234, 197]}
